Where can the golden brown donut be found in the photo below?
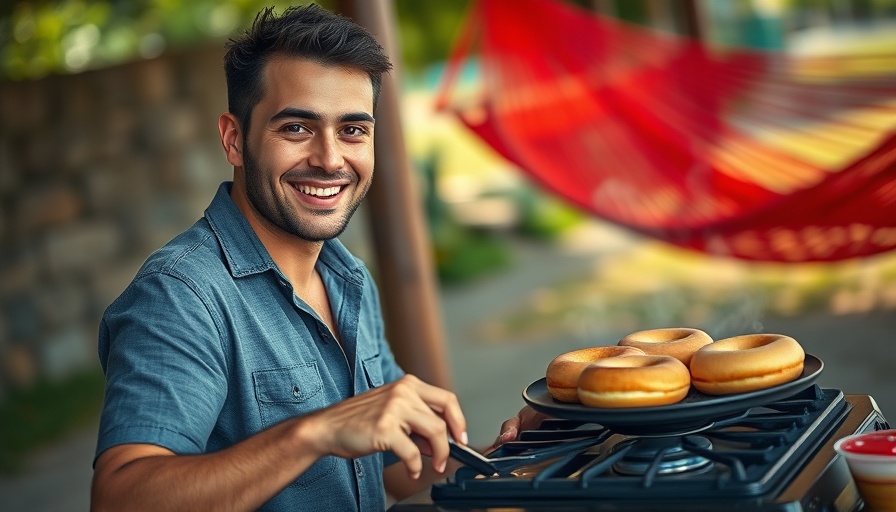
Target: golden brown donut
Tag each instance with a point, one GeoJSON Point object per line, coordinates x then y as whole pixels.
{"type": "Point", "coordinates": [746, 363]}
{"type": "Point", "coordinates": [680, 343]}
{"type": "Point", "coordinates": [563, 372]}
{"type": "Point", "coordinates": [634, 381]}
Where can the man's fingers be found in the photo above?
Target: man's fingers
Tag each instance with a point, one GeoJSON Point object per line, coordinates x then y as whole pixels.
{"type": "Point", "coordinates": [405, 449]}
{"type": "Point", "coordinates": [510, 428]}
{"type": "Point", "coordinates": [508, 432]}
{"type": "Point", "coordinates": [430, 435]}
{"type": "Point", "coordinates": [444, 403]}
{"type": "Point", "coordinates": [527, 418]}
{"type": "Point", "coordinates": [408, 416]}
{"type": "Point", "coordinates": [426, 449]}
{"type": "Point", "coordinates": [530, 418]}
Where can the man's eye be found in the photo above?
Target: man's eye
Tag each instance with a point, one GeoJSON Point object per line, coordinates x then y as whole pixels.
{"type": "Point", "coordinates": [294, 128]}
{"type": "Point", "coordinates": [354, 131]}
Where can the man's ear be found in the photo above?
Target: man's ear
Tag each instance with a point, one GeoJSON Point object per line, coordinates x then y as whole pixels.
{"type": "Point", "coordinates": [231, 138]}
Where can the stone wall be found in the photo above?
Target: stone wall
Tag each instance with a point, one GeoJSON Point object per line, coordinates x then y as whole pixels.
{"type": "Point", "coordinates": [96, 171]}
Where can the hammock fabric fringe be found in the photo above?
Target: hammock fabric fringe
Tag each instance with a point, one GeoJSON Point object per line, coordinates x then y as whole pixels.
{"type": "Point", "coordinates": [754, 155]}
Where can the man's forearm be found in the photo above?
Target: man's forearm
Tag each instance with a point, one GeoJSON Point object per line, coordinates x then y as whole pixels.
{"type": "Point", "coordinates": [242, 477]}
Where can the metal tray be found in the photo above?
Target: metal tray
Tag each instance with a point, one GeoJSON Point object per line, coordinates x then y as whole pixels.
{"type": "Point", "coordinates": [697, 411]}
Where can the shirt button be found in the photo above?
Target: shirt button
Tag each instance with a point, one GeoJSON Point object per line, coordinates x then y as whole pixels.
{"type": "Point", "coordinates": [296, 391]}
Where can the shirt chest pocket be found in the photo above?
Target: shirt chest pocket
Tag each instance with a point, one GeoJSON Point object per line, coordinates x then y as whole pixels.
{"type": "Point", "coordinates": [284, 393]}
{"type": "Point", "coordinates": [373, 371]}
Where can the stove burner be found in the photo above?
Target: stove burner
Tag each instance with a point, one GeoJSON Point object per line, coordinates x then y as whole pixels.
{"type": "Point", "coordinates": [662, 455]}
{"type": "Point", "coordinates": [776, 457]}
{"type": "Point", "coordinates": [743, 458]}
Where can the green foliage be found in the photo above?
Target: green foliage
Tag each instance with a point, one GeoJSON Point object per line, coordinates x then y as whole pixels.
{"type": "Point", "coordinates": [463, 254]}
{"type": "Point", "coordinates": [427, 29]}
{"type": "Point", "coordinates": [68, 36]}
{"type": "Point", "coordinates": [58, 36]}
{"type": "Point", "coordinates": [31, 417]}
{"type": "Point", "coordinates": [545, 217]}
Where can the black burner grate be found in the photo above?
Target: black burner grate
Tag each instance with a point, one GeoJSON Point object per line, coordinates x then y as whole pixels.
{"type": "Point", "coordinates": [752, 456]}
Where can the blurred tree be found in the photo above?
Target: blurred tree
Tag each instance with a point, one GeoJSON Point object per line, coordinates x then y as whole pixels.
{"type": "Point", "coordinates": [38, 37]}
{"type": "Point", "coordinates": [428, 29]}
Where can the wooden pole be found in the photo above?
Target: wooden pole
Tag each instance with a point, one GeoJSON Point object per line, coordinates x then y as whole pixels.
{"type": "Point", "coordinates": [406, 273]}
{"type": "Point", "coordinates": [693, 19]}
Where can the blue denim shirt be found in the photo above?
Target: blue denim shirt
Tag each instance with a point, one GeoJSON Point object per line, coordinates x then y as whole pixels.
{"type": "Point", "coordinates": [209, 345]}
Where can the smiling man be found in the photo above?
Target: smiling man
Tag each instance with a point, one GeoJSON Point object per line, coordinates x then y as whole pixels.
{"type": "Point", "coordinates": [246, 364]}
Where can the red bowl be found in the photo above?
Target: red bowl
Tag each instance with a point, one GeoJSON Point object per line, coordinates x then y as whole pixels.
{"type": "Point", "coordinates": [871, 458]}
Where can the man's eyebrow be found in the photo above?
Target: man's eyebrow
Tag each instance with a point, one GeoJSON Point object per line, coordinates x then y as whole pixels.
{"type": "Point", "coordinates": [359, 117]}
{"type": "Point", "coordinates": [301, 113]}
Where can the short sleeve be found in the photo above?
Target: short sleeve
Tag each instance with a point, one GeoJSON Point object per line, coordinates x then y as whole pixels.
{"type": "Point", "coordinates": [166, 378]}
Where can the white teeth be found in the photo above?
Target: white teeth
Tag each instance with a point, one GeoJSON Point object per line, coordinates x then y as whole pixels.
{"type": "Point", "coordinates": [319, 192]}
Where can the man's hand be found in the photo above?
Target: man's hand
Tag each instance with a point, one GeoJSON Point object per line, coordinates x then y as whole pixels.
{"type": "Point", "coordinates": [409, 417]}
{"type": "Point", "coordinates": [526, 419]}
{"type": "Point", "coordinates": [148, 477]}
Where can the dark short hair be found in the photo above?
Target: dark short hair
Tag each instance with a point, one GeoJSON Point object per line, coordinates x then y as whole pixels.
{"type": "Point", "coordinates": [309, 32]}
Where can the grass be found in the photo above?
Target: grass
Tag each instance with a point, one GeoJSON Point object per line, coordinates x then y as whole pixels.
{"type": "Point", "coordinates": [32, 417]}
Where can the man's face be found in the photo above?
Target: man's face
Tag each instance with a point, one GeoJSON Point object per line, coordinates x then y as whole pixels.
{"type": "Point", "coordinates": [308, 156]}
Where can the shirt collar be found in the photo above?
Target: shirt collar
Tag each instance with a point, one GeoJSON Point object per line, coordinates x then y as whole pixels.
{"type": "Point", "coordinates": [246, 254]}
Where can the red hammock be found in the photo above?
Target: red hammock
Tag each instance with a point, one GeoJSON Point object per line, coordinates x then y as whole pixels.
{"type": "Point", "coordinates": [752, 155]}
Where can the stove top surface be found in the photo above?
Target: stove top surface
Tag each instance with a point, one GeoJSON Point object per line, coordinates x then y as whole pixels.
{"type": "Point", "coordinates": [774, 457]}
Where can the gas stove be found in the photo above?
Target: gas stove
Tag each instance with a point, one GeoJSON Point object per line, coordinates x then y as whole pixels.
{"type": "Point", "coordinates": [777, 456]}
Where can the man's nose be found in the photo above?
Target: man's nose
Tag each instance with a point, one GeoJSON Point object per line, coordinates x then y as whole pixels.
{"type": "Point", "coordinates": [326, 154]}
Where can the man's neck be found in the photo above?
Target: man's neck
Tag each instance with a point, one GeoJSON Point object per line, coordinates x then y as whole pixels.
{"type": "Point", "coordinates": [294, 257]}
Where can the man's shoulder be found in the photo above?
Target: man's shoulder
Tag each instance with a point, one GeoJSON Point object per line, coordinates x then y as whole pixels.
{"type": "Point", "coordinates": [193, 252]}
{"type": "Point", "coordinates": [186, 269]}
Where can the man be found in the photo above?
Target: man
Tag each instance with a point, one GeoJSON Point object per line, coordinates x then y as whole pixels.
{"type": "Point", "coordinates": [246, 365]}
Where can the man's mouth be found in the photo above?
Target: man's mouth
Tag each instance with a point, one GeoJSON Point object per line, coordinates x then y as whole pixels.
{"type": "Point", "coordinates": [318, 191]}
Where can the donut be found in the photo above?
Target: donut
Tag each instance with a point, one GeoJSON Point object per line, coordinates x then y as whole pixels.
{"type": "Point", "coordinates": [634, 381]}
{"type": "Point", "coordinates": [746, 363]}
{"type": "Point", "coordinates": [563, 372]}
{"type": "Point", "coordinates": [680, 343]}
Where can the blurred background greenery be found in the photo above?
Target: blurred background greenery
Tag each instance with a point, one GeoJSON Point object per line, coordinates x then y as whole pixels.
{"type": "Point", "coordinates": [69, 36]}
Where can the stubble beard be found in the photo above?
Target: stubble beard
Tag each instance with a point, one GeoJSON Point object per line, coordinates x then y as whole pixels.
{"type": "Point", "coordinates": [283, 214]}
